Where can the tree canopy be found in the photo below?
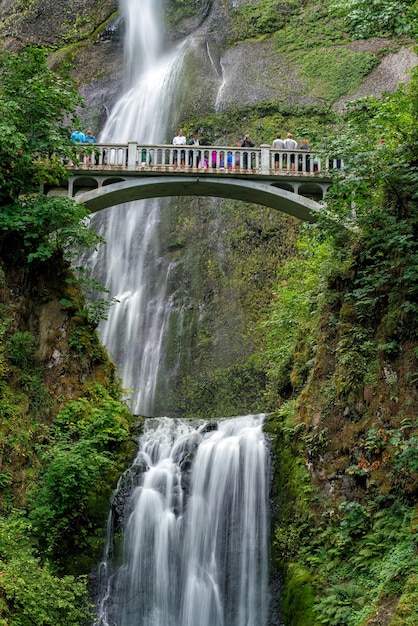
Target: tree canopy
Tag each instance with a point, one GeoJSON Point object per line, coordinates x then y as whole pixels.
{"type": "Point", "coordinates": [38, 113]}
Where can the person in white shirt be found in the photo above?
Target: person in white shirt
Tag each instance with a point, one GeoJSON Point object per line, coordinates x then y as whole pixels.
{"type": "Point", "coordinates": [179, 140]}
{"type": "Point", "coordinates": [278, 144]}
{"type": "Point", "coordinates": [290, 144]}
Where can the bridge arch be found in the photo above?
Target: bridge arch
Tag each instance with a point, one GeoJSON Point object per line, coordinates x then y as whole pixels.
{"type": "Point", "coordinates": [144, 187]}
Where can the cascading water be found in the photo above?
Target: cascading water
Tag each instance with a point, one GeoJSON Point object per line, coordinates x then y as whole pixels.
{"type": "Point", "coordinates": [131, 265]}
{"type": "Point", "coordinates": [192, 509]}
{"type": "Point", "coordinates": [195, 528]}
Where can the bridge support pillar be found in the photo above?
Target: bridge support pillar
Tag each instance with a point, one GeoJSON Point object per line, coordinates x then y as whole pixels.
{"type": "Point", "coordinates": [265, 158]}
{"type": "Point", "coordinates": [132, 148]}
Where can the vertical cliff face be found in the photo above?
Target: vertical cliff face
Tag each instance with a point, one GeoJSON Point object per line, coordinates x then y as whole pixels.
{"type": "Point", "coordinates": [242, 48]}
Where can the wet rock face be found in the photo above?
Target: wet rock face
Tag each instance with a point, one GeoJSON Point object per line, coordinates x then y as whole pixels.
{"type": "Point", "coordinates": [184, 17]}
{"type": "Point", "coordinates": [51, 22]}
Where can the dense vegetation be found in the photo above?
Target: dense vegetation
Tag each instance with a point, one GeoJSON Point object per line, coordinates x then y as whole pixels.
{"type": "Point", "coordinates": [346, 432]}
{"type": "Point", "coordinates": [64, 434]}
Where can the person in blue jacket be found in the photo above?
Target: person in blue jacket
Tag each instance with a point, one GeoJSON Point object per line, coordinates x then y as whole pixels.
{"type": "Point", "coordinates": [78, 137]}
{"type": "Point", "coordinates": [89, 137]}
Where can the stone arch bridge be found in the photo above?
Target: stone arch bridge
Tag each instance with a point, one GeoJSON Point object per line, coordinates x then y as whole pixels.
{"type": "Point", "coordinates": [294, 182]}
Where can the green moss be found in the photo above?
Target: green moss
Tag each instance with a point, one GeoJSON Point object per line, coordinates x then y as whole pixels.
{"type": "Point", "coordinates": [263, 18]}
{"type": "Point", "coordinates": [334, 72]}
{"type": "Point", "coordinates": [298, 596]}
{"type": "Point", "coordinates": [407, 609]}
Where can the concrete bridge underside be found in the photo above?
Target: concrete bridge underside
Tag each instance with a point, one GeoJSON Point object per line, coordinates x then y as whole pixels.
{"type": "Point", "coordinates": [141, 188]}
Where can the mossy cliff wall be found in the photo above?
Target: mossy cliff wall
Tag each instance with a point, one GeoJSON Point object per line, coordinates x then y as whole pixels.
{"type": "Point", "coordinates": [257, 51]}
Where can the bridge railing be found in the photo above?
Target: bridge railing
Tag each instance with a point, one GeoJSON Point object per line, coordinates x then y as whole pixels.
{"type": "Point", "coordinates": [227, 160]}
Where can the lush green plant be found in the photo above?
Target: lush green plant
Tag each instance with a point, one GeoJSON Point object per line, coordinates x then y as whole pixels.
{"type": "Point", "coordinates": [95, 309]}
{"type": "Point", "coordinates": [262, 18]}
{"type": "Point", "coordinates": [359, 553]}
{"type": "Point", "coordinates": [39, 226]}
{"type": "Point", "coordinates": [60, 512]}
{"type": "Point", "coordinates": [334, 72]}
{"type": "Point", "coordinates": [38, 112]}
{"type": "Point", "coordinates": [311, 28]}
{"type": "Point", "coordinates": [31, 594]}
{"type": "Point", "coordinates": [79, 469]}
{"type": "Point", "coordinates": [21, 348]}
{"type": "Point", "coordinates": [300, 283]}
{"type": "Point", "coordinates": [380, 17]}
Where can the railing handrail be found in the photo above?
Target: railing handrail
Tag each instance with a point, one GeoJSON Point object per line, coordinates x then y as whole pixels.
{"type": "Point", "coordinates": [262, 160]}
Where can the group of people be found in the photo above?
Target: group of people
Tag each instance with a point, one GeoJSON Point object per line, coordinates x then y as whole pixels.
{"type": "Point", "coordinates": [288, 144]}
{"type": "Point", "coordinates": [79, 137]}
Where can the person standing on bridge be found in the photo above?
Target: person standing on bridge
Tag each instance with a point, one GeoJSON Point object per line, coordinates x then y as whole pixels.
{"type": "Point", "coordinates": [195, 141]}
{"type": "Point", "coordinates": [290, 144]}
{"type": "Point", "coordinates": [179, 140]}
{"type": "Point", "coordinates": [78, 137]}
{"type": "Point", "coordinates": [247, 142]}
{"type": "Point", "coordinates": [278, 144]}
{"type": "Point", "coordinates": [89, 138]}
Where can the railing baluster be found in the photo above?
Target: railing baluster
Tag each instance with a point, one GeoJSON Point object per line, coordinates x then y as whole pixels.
{"type": "Point", "coordinates": [222, 160]}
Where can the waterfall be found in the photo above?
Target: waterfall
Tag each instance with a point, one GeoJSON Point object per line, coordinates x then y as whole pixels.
{"type": "Point", "coordinates": [193, 513]}
{"type": "Point", "coordinates": [190, 514]}
{"type": "Point", "coordinates": [131, 265]}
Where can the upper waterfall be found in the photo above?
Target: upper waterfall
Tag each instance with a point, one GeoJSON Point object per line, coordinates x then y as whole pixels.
{"type": "Point", "coordinates": [131, 265]}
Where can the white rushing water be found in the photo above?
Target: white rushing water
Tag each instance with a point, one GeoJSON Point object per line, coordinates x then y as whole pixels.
{"type": "Point", "coordinates": [131, 264]}
{"type": "Point", "coordinates": [195, 528]}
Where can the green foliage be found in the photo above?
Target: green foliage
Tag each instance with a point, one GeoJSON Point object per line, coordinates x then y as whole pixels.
{"type": "Point", "coordinates": [314, 27]}
{"type": "Point", "coordinates": [41, 226]}
{"type": "Point", "coordinates": [367, 552]}
{"type": "Point", "coordinates": [31, 594]}
{"type": "Point", "coordinates": [360, 554]}
{"type": "Point", "coordinates": [96, 308]}
{"type": "Point", "coordinates": [300, 283]}
{"type": "Point", "coordinates": [298, 596]}
{"type": "Point", "coordinates": [37, 115]}
{"type": "Point", "coordinates": [379, 184]}
{"type": "Point", "coordinates": [378, 18]}
{"type": "Point", "coordinates": [80, 469]}
{"type": "Point", "coordinates": [334, 72]}
{"type": "Point", "coordinates": [262, 18]}
{"type": "Point", "coordinates": [21, 347]}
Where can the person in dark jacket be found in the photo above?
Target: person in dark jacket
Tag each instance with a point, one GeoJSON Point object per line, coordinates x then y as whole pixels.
{"type": "Point", "coordinates": [247, 142]}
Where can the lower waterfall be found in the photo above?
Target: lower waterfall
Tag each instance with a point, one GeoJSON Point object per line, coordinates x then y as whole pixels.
{"type": "Point", "coordinates": [192, 514]}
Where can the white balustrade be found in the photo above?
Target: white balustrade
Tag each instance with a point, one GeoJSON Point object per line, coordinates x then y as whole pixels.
{"type": "Point", "coordinates": [222, 160]}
